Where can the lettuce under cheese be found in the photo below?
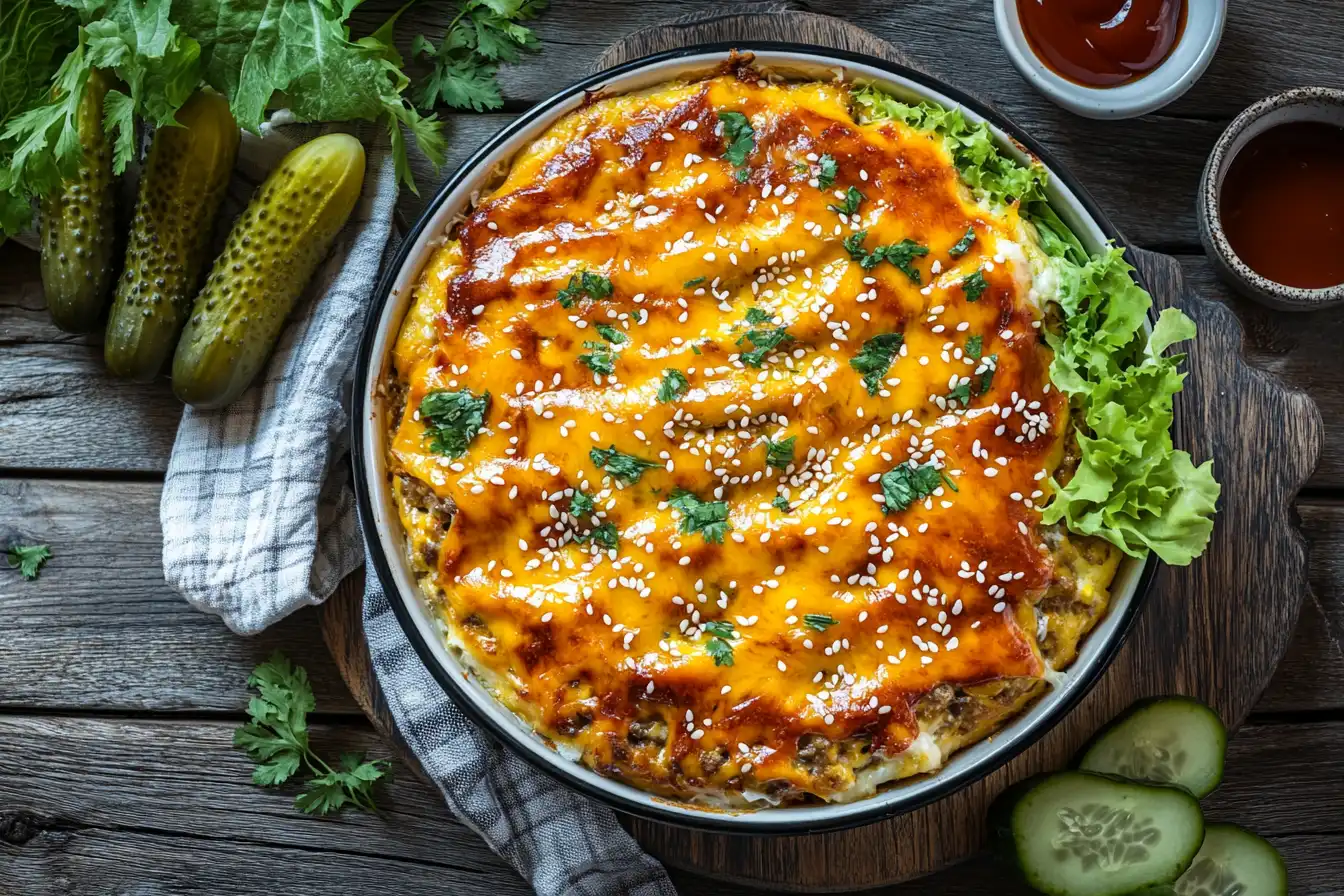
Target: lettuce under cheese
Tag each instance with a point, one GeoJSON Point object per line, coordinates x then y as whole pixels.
{"type": "Point", "coordinates": [1131, 487]}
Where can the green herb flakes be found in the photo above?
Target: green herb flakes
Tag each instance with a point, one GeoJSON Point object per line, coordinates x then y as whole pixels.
{"type": "Point", "coordinates": [974, 346]}
{"type": "Point", "coordinates": [902, 255]}
{"type": "Point", "coordinates": [779, 454]}
{"type": "Point", "coordinates": [819, 621]}
{"type": "Point", "coordinates": [741, 141]}
{"type": "Point", "coordinates": [594, 286]}
{"type": "Point", "coordinates": [720, 644]}
{"type": "Point", "coordinates": [28, 559]}
{"type": "Point", "coordinates": [674, 385]}
{"type": "Point", "coordinates": [581, 504]}
{"type": "Point", "coordinates": [827, 170]}
{"type": "Point", "coordinates": [964, 244]}
{"type": "Point", "coordinates": [780, 503]}
{"type": "Point", "coordinates": [904, 485]}
{"type": "Point", "coordinates": [850, 207]}
{"type": "Point", "coordinates": [708, 518]}
{"type": "Point", "coordinates": [452, 419]}
{"type": "Point", "coordinates": [611, 334]}
{"type": "Point", "coordinates": [604, 536]}
{"type": "Point", "coordinates": [875, 359]}
{"type": "Point", "coordinates": [625, 468]}
{"type": "Point", "coordinates": [974, 286]}
{"type": "Point", "coordinates": [599, 358]}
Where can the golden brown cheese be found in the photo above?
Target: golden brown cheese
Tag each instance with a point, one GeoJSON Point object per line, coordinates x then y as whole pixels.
{"type": "Point", "coordinates": [823, 633]}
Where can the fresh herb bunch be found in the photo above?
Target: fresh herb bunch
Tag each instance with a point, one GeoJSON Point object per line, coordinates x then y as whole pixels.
{"type": "Point", "coordinates": [259, 54]}
{"type": "Point", "coordinates": [277, 740]}
{"type": "Point", "coordinates": [484, 34]}
{"type": "Point", "coordinates": [28, 559]}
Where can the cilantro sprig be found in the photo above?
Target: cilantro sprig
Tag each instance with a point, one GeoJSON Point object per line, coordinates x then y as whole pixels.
{"type": "Point", "coordinates": [819, 621]}
{"type": "Point", "coordinates": [902, 486]}
{"type": "Point", "coordinates": [674, 385]}
{"type": "Point", "coordinates": [764, 340]}
{"type": "Point", "coordinates": [581, 504]}
{"type": "Point", "coordinates": [708, 518]}
{"type": "Point", "coordinates": [875, 359]}
{"type": "Point", "coordinates": [599, 358]}
{"type": "Point", "coordinates": [974, 286]}
{"type": "Point", "coordinates": [484, 34]}
{"type": "Point", "coordinates": [606, 535]}
{"type": "Point", "coordinates": [827, 169]}
{"type": "Point", "coordinates": [741, 139]}
{"type": "Point", "coordinates": [452, 419]}
{"type": "Point", "coordinates": [850, 206]}
{"type": "Point", "coordinates": [964, 244]}
{"type": "Point", "coordinates": [626, 468]}
{"type": "Point", "coordinates": [902, 255]}
{"type": "Point", "coordinates": [720, 644]}
{"type": "Point", "coordinates": [584, 283]}
{"type": "Point", "coordinates": [779, 454]}
{"type": "Point", "coordinates": [28, 559]}
{"type": "Point", "coordinates": [276, 739]}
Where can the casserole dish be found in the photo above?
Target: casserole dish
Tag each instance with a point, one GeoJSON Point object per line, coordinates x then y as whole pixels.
{"type": "Point", "coordinates": [383, 529]}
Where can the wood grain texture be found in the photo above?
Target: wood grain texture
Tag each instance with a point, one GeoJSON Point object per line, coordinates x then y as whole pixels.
{"type": "Point", "coordinates": [1190, 639]}
{"type": "Point", "coordinates": [100, 629]}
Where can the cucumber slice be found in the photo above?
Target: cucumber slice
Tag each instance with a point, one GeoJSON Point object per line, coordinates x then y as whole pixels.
{"type": "Point", "coordinates": [1167, 740]}
{"type": "Point", "coordinates": [1234, 862]}
{"type": "Point", "coordinates": [1080, 834]}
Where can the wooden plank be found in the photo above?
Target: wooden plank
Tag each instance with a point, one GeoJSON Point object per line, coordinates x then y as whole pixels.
{"type": "Point", "coordinates": [100, 629]}
{"type": "Point", "coordinates": [165, 806]}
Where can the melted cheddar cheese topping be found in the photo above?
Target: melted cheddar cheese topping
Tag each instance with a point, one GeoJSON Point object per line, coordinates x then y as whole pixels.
{"type": "Point", "coordinates": [751, 506]}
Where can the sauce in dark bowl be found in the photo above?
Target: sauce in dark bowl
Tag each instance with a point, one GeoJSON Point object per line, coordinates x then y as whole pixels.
{"type": "Point", "coordinates": [1282, 204]}
{"type": "Point", "coordinates": [1102, 43]}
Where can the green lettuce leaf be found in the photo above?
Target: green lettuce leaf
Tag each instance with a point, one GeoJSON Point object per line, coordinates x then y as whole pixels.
{"type": "Point", "coordinates": [1132, 487]}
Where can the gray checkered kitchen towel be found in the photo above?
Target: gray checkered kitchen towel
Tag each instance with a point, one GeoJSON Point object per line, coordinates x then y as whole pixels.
{"type": "Point", "coordinates": [259, 520]}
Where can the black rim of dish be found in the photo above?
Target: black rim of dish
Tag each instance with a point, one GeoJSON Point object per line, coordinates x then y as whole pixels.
{"type": "Point", "coordinates": [1083, 676]}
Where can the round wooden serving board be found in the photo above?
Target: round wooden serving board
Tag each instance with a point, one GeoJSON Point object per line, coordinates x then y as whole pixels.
{"type": "Point", "coordinates": [1214, 630]}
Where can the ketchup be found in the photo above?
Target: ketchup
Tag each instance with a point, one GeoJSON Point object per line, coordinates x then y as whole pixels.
{"type": "Point", "coordinates": [1102, 43]}
{"type": "Point", "coordinates": [1282, 204]}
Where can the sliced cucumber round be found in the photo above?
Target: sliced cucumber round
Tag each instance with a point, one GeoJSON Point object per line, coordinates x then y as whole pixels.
{"type": "Point", "coordinates": [1166, 740]}
{"type": "Point", "coordinates": [1080, 834]}
{"type": "Point", "coordinates": [1234, 862]}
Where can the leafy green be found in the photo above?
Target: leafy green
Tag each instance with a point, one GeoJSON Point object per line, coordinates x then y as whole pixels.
{"type": "Point", "coordinates": [902, 254]}
{"type": "Point", "coordinates": [819, 621]}
{"type": "Point", "coordinates": [581, 503]}
{"type": "Point", "coordinates": [780, 503]}
{"type": "Point", "coordinates": [757, 316]}
{"type": "Point", "coordinates": [626, 468]}
{"type": "Point", "coordinates": [964, 244]}
{"type": "Point", "coordinates": [605, 535]}
{"type": "Point", "coordinates": [875, 358]}
{"type": "Point", "coordinates": [594, 286]}
{"type": "Point", "coordinates": [975, 346]}
{"type": "Point", "coordinates": [611, 334]}
{"type": "Point", "coordinates": [904, 485]}
{"type": "Point", "coordinates": [850, 207]}
{"type": "Point", "coordinates": [741, 139]}
{"type": "Point", "coordinates": [27, 559]}
{"type": "Point", "coordinates": [276, 739]}
{"type": "Point", "coordinates": [452, 419]}
{"type": "Point", "coordinates": [1131, 487]}
{"type": "Point", "coordinates": [720, 645]}
{"type": "Point", "coordinates": [779, 454]}
{"type": "Point", "coordinates": [709, 518]}
{"type": "Point", "coordinates": [693, 282]}
{"type": "Point", "coordinates": [599, 358]}
{"type": "Point", "coordinates": [974, 286]}
{"type": "Point", "coordinates": [484, 34]}
{"type": "Point", "coordinates": [763, 340]}
{"type": "Point", "coordinates": [674, 385]}
{"type": "Point", "coordinates": [827, 169]}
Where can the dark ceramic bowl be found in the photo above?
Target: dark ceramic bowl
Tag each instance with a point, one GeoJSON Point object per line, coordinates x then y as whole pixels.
{"type": "Point", "coordinates": [385, 539]}
{"type": "Point", "coordinates": [1321, 104]}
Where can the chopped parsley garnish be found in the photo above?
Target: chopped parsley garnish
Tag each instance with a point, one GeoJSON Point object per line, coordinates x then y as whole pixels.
{"type": "Point", "coordinates": [964, 244]}
{"type": "Point", "coordinates": [626, 468]}
{"type": "Point", "coordinates": [28, 559]}
{"type": "Point", "coordinates": [987, 378]}
{"type": "Point", "coordinates": [960, 392]}
{"type": "Point", "coordinates": [902, 254]}
{"type": "Point", "coordinates": [695, 349]}
{"type": "Point", "coordinates": [826, 176]}
{"type": "Point", "coordinates": [763, 341]}
{"type": "Point", "coordinates": [452, 419]}
{"type": "Point", "coordinates": [720, 645]}
{"type": "Point", "coordinates": [850, 207]}
{"type": "Point", "coordinates": [780, 503]}
{"type": "Point", "coordinates": [974, 286]}
{"type": "Point", "coordinates": [674, 385]}
{"type": "Point", "coordinates": [611, 334]}
{"type": "Point", "coordinates": [581, 503]}
{"type": "Point", "coordinates": [709, 518]}
{"type": "Point", "coordinates": [741, 141]}
{"type": "Point", "coordinates": [594, 286]}
{"type": "Point", "coordinates": [604, 535]}
{"type": "Point", "coordinates": [974, 386]}
{"type": "Point", "coordinates": [779, 454]}
{"type": "Point", "coordinates": [819, 621]}
{"type": "Point", "coordinates": [874, 359]}
{"type": "Point", "coordinates": [742, 175]}
{"type": "Point", "coordinates": [599, 358]}
{"type": "Point", "coordinates": [693, 283]}
{"type": "Point", "coordinates": [974, 346]}
{"type": "Point", "coordinates": [904, 485]}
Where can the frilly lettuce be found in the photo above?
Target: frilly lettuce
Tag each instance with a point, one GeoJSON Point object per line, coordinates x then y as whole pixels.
{"type": "Point", "coordinates": [1132, 487]}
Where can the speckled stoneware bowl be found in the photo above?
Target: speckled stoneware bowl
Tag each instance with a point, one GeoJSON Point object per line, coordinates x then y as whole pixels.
{"type": "Point", "coordinates": [1321, 104]}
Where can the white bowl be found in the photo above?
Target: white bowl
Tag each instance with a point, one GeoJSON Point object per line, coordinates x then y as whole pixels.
{"type": "Point", "coordinates": [1177, 73]}
{"type": "Point", "coordinates": [386, 540]}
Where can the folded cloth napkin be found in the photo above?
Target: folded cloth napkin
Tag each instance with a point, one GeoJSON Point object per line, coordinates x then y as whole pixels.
{"type": "Point", "coordinates": [259, 520]}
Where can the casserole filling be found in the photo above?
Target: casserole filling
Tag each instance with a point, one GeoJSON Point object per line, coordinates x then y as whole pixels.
{"type": "Point", "coordinates": [720, 431]}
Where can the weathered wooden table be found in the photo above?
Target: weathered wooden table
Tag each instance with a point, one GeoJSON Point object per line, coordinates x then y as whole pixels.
{"type": "Point", "coordinates": [118, 701]}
